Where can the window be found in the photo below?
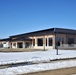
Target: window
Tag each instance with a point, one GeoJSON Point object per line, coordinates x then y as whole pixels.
{"type": "Point", "coordinates": [58, 39]}
{"type": "Point", "coordinates": [4, 43]}
{"type": "Point", "coordinates": [20, 45]}
{"type": "Point", "coordinates": [62, 40]}
{"type": "Point", "coordinates": [70, 41]}
{"type": "Point", "coordinates": [40, 41]}
{"type": "Point", "coordinates": [50, 41]}
{"type": "Point", "coordinates": [46, 41]}
{"type": "Point", "coordinates": [27, 45]}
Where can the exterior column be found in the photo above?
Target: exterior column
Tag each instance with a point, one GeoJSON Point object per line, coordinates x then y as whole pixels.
{"type": "Point", "coordinates": [12, 44]}
{"type": "Point", "coordinates": [32, 43]}
{"type": "Point", "coordinates": [44, 42]}
{"type": "Point", "coordinates": [47, 42]}
{"type": "Point", "coordinates": [16, 45]}
{"type": "Point", "coordinates": [60, 43]}
{"type": "Point", "coordinates": [23, 44]}
{"type": "Point", "coordinates": [35, 41]}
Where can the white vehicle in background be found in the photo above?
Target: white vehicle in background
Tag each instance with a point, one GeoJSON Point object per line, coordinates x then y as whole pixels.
{"type": "Point", "coordinates": [6, 44]}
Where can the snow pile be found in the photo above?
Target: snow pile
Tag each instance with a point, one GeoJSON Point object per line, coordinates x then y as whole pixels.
{"type": "Point", "coordinates": [37, 56]}
{"type": "Point", "coordinates": [37, 67]}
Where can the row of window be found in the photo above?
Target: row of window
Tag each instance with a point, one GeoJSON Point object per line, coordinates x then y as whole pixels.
{"type": "Point", "coordinates": [69, 41]}
{"type": "Point", "coordinates": [50, 41]}
{"type": "Point", "coordinates": [58, 40]}
{"type": "Point", "coordinates": [40, 41]}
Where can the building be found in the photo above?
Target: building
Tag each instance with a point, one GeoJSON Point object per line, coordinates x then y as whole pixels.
{"type": "Point", "coordinates": [43, 39]}
{"type": "Point", "coordinates": [5, 43]}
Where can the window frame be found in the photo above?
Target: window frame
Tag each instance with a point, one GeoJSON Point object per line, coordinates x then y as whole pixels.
{"type": "Point", "coordinates": [40, 42]}
{"type": "Point", "coordinates": [50, 41]}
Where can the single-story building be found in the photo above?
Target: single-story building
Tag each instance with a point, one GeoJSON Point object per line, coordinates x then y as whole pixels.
{"type": "Point", "coordinates": [43, 39]}
{"type": "Point", "coordinates": [4, 43]}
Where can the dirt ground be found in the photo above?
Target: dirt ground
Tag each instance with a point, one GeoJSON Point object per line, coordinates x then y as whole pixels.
{"type": "Point", "coordinates": [67, 71]}
{"type": "Point", "coordinates": [20, 50]}
{"type": "Point", "coordinates": [23, 50]}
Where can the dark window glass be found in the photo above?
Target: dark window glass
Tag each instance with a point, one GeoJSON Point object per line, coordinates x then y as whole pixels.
{"type": "Point", "coordinates": [27, 45]}
{"type": "Point", "coordinates": [58, 41]}
{"type": "Point", "coordinates": [70, 41]}
{"type": "Point", "coordinates": [46, 41]}
{"type": "Point", "coordinates": [50, 41]}
{"type": "Point", "coordinates": [62, 40]}
{"type": "Point", "coordinates": [40, 41]}
{"type": "Point", "coordinates": [20, 45]}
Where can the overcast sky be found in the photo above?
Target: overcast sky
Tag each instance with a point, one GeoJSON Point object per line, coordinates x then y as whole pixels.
{"type": "Point", "coordinates": [22, 16]}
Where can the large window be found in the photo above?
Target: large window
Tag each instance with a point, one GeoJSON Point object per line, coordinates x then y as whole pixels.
{"type": "Point", "coordinates": [40, 41]}
{"type": "Point", "coordinates": [20, 45]}
{"type": "Point", "coordinates": [50, 41]}
{"type": "Point", "coordinates": [46, 41]}
{"type": "Point", "coordinates": [27, 45]}
{"type": "Point", "coordinates": [62, 40]}
{"type": "Point", "coordinates": [70, 41]}
{"type": "Point", "coordinates": [58, 39]}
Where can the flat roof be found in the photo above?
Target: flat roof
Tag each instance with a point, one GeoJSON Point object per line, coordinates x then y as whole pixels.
{"type": "Point", "coordinates": [47, 31]}
{"type": "Point", "coordinates": [5, 39]}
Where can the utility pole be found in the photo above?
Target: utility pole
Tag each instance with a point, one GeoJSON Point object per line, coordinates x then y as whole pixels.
{"type": "Point", "coordinates": [57, 44]}
{"type": "Point", "coordinates": [56, 41]}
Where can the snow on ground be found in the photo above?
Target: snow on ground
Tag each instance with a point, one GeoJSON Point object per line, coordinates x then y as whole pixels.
{"type": "Point", "coordinates": [37, 67]}
{"type": "Point", "coordinates": [36, 56]}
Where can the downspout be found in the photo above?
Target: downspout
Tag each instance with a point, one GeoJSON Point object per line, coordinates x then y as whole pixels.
{"type": "Point", "coordinates": [55, 36]}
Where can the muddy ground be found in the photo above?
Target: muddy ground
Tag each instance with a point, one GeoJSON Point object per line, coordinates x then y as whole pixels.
{"type": "Point", "coordinates": [67, 71]}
